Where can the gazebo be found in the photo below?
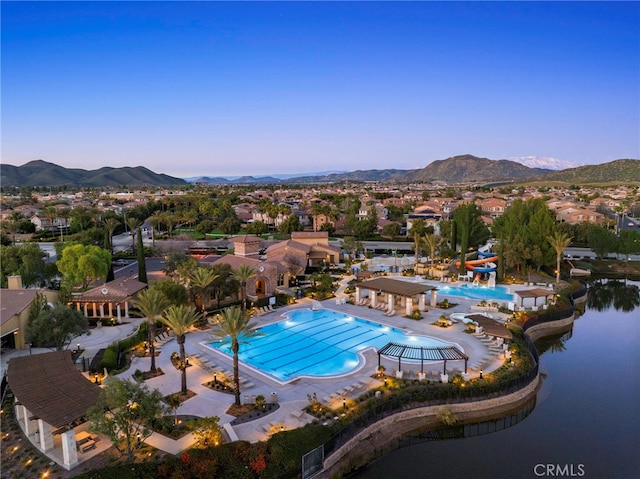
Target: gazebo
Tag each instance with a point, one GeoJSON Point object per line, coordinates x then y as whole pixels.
{"type": "Point", "coordinates": [51, 397]}
{"type": "Point", "coordinates": [535, 294]}
{"type": "Point", "coordinates": [392, 289]}
{"type": "Point", "coordinates": [422, 354]}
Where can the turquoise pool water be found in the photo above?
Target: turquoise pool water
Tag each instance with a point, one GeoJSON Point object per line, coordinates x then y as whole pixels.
{"type": "Point", "coordinates": [480, 292]}
{"type": "Point", "coordinates": [318, 343]}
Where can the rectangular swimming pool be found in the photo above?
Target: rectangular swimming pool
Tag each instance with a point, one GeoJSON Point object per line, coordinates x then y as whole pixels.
{"type": "Point", "coordinates": [319, 343]}
{"type": "Point", "coordinates": [479, 292]}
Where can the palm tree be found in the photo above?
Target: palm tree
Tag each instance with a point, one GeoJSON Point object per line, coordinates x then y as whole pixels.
{"type": "Point", "coordinates": [200, 279]}
{"type": "Point", "coordinates": [51, 213]}
{"type": "Point", "coordinates": [234, 326]}
{"type": "Point", "coordinates": [154, 220]}
{"type": "Point", "coordinates": [180, 319]}
{"type": "Point", "coordinates": [559, 241]}
{"type": "Point", "coordinates": [14, 223]}
{"type": "Point", "coordinates": [133, 223]}
{"type": "Point", "coordinates": [431, 241]}
{"type": "Point", "coordinates": [110, 225]}
{"type": "Point", "coordinates": [84, 216]}
{"type": "Point", "coordinates": [65, 215]}
{"type": "Point", "coordinates": [190, 217]}
{"type": "Point", "coordinates": [417, 244]}
{"type": "Point", "coordinates": [242, 273]}
{"type": "Point", "coordinates": [152, 303]}
{"type": "Point", "coordinates": [169, 219]}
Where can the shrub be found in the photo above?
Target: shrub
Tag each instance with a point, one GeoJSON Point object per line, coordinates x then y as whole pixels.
{"type": "Point", "coordinates": [110, 358]}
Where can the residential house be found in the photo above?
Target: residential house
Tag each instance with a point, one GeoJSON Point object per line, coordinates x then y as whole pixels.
{"type": "Point", "coordinates": [14, 314]}
{"type": "Point", "coordinates": [576, 215]}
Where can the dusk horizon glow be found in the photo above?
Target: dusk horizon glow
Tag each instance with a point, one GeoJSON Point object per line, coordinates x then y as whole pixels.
{"type": "Point", "coordinates": [241, 88]}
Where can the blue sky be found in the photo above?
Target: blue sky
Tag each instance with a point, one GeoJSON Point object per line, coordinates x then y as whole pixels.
{"type": "Point", "coordinates": [242, 88]}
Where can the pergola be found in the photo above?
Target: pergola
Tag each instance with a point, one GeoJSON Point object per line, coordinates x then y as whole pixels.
{"type": "Point", "coordinates": [535, 294]}
{"type": "Point", "coordinates": [393, 288]}
{"type": "Point", "coordinates": [423, 354]}
{"type": "Point", "coordinates": [52, 397]}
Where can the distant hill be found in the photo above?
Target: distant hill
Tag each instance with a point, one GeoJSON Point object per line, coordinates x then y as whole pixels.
{"type": "Point", "coordinates": [358, 175]}
{"type": "Point", "coordinates": [469, 168]}
{"type": "Point", "coordinates": [617, 170]}
{"type": "Point", "coordinates": [212, 180]}
{"type": "Point", "coordinates": [42, 173]}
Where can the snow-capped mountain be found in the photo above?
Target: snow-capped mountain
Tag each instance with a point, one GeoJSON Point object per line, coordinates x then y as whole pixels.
{"type": "Point", "coordinates": [543, 162]}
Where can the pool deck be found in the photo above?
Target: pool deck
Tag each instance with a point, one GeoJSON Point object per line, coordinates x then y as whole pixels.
{"type": "Point", "coordinates": [293, 396]}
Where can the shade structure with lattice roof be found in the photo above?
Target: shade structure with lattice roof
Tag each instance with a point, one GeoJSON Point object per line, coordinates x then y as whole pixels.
{"type": "Point", "coordinates": [50, 386]}
{"type": "Point", "coordinates": [422, 354]}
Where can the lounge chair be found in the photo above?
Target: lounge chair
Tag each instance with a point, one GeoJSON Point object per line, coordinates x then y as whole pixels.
{"type": "Point", "coordinates": [298, 413]}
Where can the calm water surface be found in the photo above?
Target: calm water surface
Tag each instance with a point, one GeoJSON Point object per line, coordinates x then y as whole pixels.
{"type": "Point", "coordinates": [587, 412]}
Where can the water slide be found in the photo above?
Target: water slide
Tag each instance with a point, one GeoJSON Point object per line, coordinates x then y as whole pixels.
{"type": "Point", "coordinates": [486, 258]}
{"type": "Point", "coordinates": [474, 265]}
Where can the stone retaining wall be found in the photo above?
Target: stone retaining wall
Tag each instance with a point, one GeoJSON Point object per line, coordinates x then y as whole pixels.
{"type": "Point", "coordinates": [369, 443]}
{"type": "Point", "coordinates": [551, 327]}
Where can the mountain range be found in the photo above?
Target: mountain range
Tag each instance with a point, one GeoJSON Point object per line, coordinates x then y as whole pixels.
{"type": "Point", "coordinates": [43, 173]}
{"type": "Point", "coordinates": [457, 169]}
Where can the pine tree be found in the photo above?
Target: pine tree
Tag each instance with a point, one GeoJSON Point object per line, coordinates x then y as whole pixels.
{"type": "Point", "coordinates": [142, 265]}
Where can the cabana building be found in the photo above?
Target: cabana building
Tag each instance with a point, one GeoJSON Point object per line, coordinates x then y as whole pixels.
{"type": "Point", "coordinates": [391, 294]}
{"type": "Point", "coordinates": [108, 301]}
{"type": "Point", "coordinates": [51, 399]}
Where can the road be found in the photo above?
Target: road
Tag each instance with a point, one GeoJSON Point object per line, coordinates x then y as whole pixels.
{"type": "Point", "coordinates": [123, 241]}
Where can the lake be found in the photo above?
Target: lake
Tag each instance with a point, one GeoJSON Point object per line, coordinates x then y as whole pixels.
{"type": "Point", "coordinates": [585, 421]}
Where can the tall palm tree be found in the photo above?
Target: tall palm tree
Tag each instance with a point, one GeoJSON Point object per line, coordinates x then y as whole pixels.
{"type": "Point", "coordinates": [51, 213]}
{"type": "Point", "coordinates": [242, 273]}
{"type": "Point", "coordinates": [169, 219]}
{"type": "Point", "coordinates": [65, 215]}
{"type": "Point", "coordinates": [190, 217]}
{"type": "Point", "coordinates": [417, 244]}
{"type": "Point", "coordinates": [200, 279]}
{"type": "Point", "coordinates": [154, 220]}
{"type": "Point", "coordinates": [180, 319]}
{"type": "Point", "coordinates": [110, 224]}
{"type": "Point", "coordinates": [431, 241]}
{"type": "Point", "coordinates": [559, 241]}
{"type": "Point", "coordinates": [234, 326]}
{"type": "Point", "coordinates": [133, 223]}
{"type": "Point", "coordinates": [152, 303]}
{"type": "Point", "coordinates": [84, 217]}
